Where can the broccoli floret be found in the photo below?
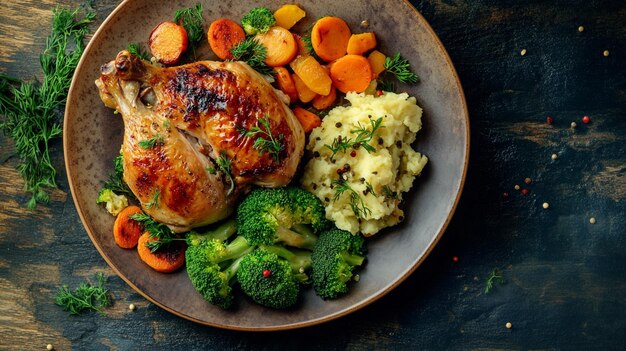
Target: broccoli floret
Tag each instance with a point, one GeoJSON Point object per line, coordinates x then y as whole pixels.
{"type": "Point", "coordinates": [336, 254]}
{"type": "Point", "coordinates": [258, 21]}
{"type": "Point", "coordinates": [268, 279]}
{"type": "Point", "coordinates": [211, 265]}
{"type": "Point", "coordinates": [268, 216]}
{"type": "Point", "coordinates": [114, 203]}
{"type": "Point", "coordinates": [222, 232]}
{"type": "Point", "coordinates": [299, 260]}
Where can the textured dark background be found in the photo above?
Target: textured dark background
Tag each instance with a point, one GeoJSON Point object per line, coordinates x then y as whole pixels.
{"type": "Point", "coordinates": [566, 278]}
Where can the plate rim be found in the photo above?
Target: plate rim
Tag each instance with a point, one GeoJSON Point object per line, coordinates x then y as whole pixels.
{"type": "Point", "coordinates": [348, 310]}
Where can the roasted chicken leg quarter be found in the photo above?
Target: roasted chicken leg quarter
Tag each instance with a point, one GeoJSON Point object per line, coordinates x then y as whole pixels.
{"type": "Point", "coordinates": [199, 135]}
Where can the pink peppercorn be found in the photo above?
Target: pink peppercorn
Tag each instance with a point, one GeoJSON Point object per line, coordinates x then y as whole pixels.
{"type": "Point", "coordinates": [586, 120]}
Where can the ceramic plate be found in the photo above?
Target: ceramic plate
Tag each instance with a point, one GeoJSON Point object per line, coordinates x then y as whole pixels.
{"type": "Point", "coordinates": [93, 135]}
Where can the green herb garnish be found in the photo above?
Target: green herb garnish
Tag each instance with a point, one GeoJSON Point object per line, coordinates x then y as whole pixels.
{"type": "Point", "coordinates": [369, 189]}
{"type": "Point", "coordinates": [86, 297]}
{"type": "Point", "coordinates": [494, 277]}
{"type": "Point", "coordinates": [191, 20]}
{"type": "Point", "coordinates": [357, 204]}
{"type": "Point", "coordinates": [223, 163]}
{"type": "Point", "coordinates": [363, 137]}
{"type": "Point", "coordinates": [162, 233]}
{"type": "Point", "coordinates": [137, 50]}
{"type": "Point", "coordinates": [400, 68]}
{"type": "Point", "coordinates": [265, 141]}
{"type": "Point", "coordinates": [154, 201]}
{"type": "Point", "coordinates": [156, 140]}
{"type": "Point", "coordinates": [386, 85]}
{"type": "Point", "coordinates": [253, 53]}
{"type": "Point", "coordinates": [389, 194]}
{"type": "Point", "coordinates": [308, 45]}
{"type": "Point", "coordinates": [116, 181]}
{"type": "Point", "coordinates": [30, 110]}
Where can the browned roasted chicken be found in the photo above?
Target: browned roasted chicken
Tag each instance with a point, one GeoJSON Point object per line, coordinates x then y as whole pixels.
{"type": "Point", "coordinates": [197, 136]}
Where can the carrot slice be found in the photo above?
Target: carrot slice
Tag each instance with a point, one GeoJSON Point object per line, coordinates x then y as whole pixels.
{"type": "Point", "coordinates": [304, 93]}
{"type": "Point", "coordinates": [312, 74]}
{"type": "Point", "coordinates": [223, 34]}
{"type": "Point", "coordinates": [286, 83]}
{"type": "Point", "coordinates": [377, 62]}
{"type": "Point", "coordinates": [351, 73]}
{"type": "Point", "coordinates": [166, 259]}
{"type": "Point", "coordinates": [302, 50]}
{"type": "Point", "coordinates": [168, 41]}
{"type": "Point", "coordinates": [308, 119]}
{"type": "Point", "coordinates": [361, 43]}
{"type": "Point", "coordinates": [321, 102]}
{"type": "Point", "coordinates": [330, 36]}
{"type": "Point", "coordinates": [280, 44]}
{"type": "Point", "coordinates": [126, 231]}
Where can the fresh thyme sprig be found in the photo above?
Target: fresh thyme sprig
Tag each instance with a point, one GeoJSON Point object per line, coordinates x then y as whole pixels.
{"type": "Point", "coordinates": [357, 204]}
{"type": "Point", "coordinates": [224, 166]}
{"type": "Point", "coordinates": [162, 233]}
{"type": "Point", "coordinates": [86, 297]}
{"type": "Point", "coordinates": [116, 181]}
{"type": "Point", "coordinates": [400, 68]}
{"type": "Point", "coordinates": [363, 137]}
{"type": "Point", "coordinates": [253, 53]}
{"type": "Point", "coordinates": [30, 110]}
{"type": "Point", "coordinates": [154, 200]}
{"type": "Point", "coordinates": [191, 20]}
{"type": "Point", "coordinates": [137, 50]}
{"type": "Point", "coordinates": [265, 140]}
{"type": "Point", "coordinates": [494, 277]}
{"type": "Point", "coordinates": [156, 140]}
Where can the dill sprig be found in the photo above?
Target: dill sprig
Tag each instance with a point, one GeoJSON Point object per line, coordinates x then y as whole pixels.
{"type": "Point", "coordinates": [86, 297]}
{"type": "Point", "coordinates": [156, 140]}
{"type": "Point", "coordinates": [357, 204]}
{"type": "Point", "coordinates": [494, 277]}
{"type": "Point", "coordinates": [388, 193]}
{"type": "Point", "coordinates": [253, 53]}
{"type": "Point", "coordinates": [154, 200]}
{"type": "Point", "coordinates": [116, 181]}
{"type": "Point", "coordinates": [191, 19]}
{"type": "Point", "coordinates": [363, 137]}
{"type": "Point", "coordinates": [137, 50]}
{"type": "Point", "coordinates": [224, 166]}
{"type": "Point", "coordinates": [386, 85]}
{"type": "Point", "coordinates": [265, 141]}
{"type": "Point", "coordinates": [400, 68]}
{"type": "Point", "coordinates": [308, 45]}
{"type": "Point", "coordinates": [30, 110]}
{"type": "Point", "coordinates": [162, 233]}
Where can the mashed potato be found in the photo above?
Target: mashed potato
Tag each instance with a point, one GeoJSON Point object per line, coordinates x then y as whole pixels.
{"type": "Point", "coordinates": [361, 190]}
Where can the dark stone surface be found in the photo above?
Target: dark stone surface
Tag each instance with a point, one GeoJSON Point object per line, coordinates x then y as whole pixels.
{"type": "Point", "coordinates": [566, 278]}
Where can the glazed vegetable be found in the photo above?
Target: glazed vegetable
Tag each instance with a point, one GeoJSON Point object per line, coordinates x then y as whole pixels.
{"type": "Point", "coordinates": [280, 44]}
{"type": "Point", "coordinates": [258, 21]}
{"type": "Point", "coordinates": [288, 15]}
{"type": "Point", "coordinates": [285, 83]}
{"type": "Point", "coordinates": [351, 73]}
{"type": "Point", "coordinates": [304, 93]}
{"type": "Point", "coordinates": [281, 215]}
{"type": "Point", "coordinates": [302, 46]}
{"type": "Point", "coordinates": [329, 37]}
{"type": "Point", "coordinates": [253, 53]}
{"type": "Point", "coordinates": [377, 62]}
{"type": "Point", "coordinates": [223, 36]}
{"type": "Point", "coordinates": [166, 259]}
{"type": "Point", "coordinates": [126, 231]}
{"type": "Point", "coordinates": [335, 256]}
{"type": "Point", "coordinates": [312, 74]}
{"type": "Point", "coordinates": [113, 203]}
{"type": "Point", "coordinates": [361, 43]}
{"type": "Point", "coordinates": [321, 102]}
{"type": "Point", "coordinates": [168, 41]}
{"type": "Point", "coordinates": [307, 119]}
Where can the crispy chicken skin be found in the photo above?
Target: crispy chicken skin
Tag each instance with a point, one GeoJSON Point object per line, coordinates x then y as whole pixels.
{"type": "Point", "coordinates": [179, 120]}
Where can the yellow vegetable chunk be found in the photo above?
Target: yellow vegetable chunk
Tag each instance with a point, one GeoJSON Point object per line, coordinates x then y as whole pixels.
{"type": "Point", "coordinates": [361, 43]}
{"type": "Point", "coordinates": [304, 93]}
{"type": "Point", "coordinates": [377, 62]}
{"type": "Point", "coordinates": [288, 15]}
{"type": "Point", "coordinates": [312, 74]}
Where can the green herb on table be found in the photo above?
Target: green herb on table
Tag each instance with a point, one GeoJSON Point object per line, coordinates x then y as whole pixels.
{"type": "Point", "coordinates": [191, 20]}
{"type": "Point", "coordinates": [494, 277]}
{"type": "Point", "coordinates": [253, 53]}
{"type": "Point", "coordinates": [356, 202]}
{"type": "Point", "coordinates": [400, 68]}
{"type": "Point", "coordinates": [86, 297]}
{"type": "Point", "coordinates": [159, 231]}
{"type": "Point", "coordinates": [156, 140]}
{"type": "Point", "coordinates": [363, 137]}
{"type": "Point", "coordinates": [154, 201]}
{"type": "Point", "coordinates": [29, 110]}
{"type": "Point", "coordinates": [137, 50]}
{"type": "Point", "coordinates": [265, 140]}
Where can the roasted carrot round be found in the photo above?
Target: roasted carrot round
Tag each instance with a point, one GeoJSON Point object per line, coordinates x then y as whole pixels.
{"type": "Point", "coordinates": [223, 34]}
{"type": "Point", "coordinates": [126, 231]}
{"type": "Point", "coordinates": [305, 94]}
{"type": "Point", "coordinates": [168, 41]}
{"type": "Point", "coordinates": [285, 83]}
{"type": "Point", "coordinates": [307, 119]}
{"type": "Point", "coordinates": [330, 36]}
{"type": "Point", "coordinates": [351, 73]}
{"type": "Point", "coordinates": [280, 44]}
{"type": "Point", "coordinates": [166, 259]}
{"type": "Point", "coordinates": [322, 102]}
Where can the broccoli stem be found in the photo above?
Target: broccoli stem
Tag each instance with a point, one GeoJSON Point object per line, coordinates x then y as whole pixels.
{"type": "Point", "coordinates": [292, 238]}
{"type": "Point", "coordinates": [231, 271]}
{"type": "Point", "coordinates": [298, 260]}
{"type": "Point", "coordinates": [353, 260]}
{"type": "Point", "coordinates": [224, 231]}
{"type": "Point", "coordinates": [236, 249]}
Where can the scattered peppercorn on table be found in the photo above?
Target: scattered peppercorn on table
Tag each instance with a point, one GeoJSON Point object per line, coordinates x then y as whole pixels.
{"type": "Point", "coordinates": [533, 257]}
